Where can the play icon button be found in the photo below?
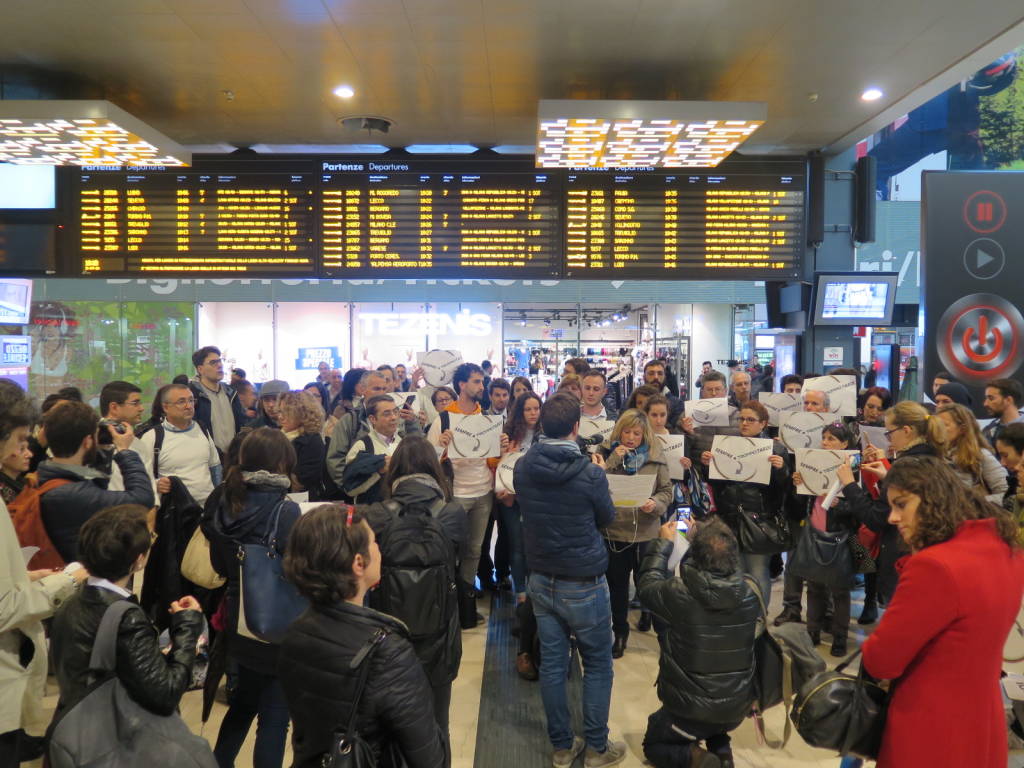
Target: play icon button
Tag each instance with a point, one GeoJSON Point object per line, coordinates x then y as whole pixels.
{"type": "Point", "coordinates": [984, 258]}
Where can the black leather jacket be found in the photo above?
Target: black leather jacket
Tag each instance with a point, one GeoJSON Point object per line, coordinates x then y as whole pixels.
{"type": "Point", "coordinates": [153, 680]}
{"type": "Point", "coordinates": [319, 683]}
{"type": "Point", "coordinates": [706, 667]}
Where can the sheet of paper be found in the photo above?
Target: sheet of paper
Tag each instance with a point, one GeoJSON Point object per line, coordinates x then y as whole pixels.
{"type": "Point", "coordinates": [778, 403]}
{"type": "Point", "coordinates": [802, 430]}
{"type": "Point", "coordinates": [708, 412]}
{"type": "Point", "coordinates": [593, 427]}
{"type": "Point", "coordinates": [680, 545]}
{"type": "Point", "coordinates": [477, 436]}
{"type": "Point", "coordinates": [438, 365]}
{"type": "Point", "coordinates": [504, 474]}
{"type": "Point", "coordinates": [817, 468]}
{"type": "Point", "coordinates": [299, 497]}
{"type": "Point", "coordinates": [841, 391]}
{"type": "Point", "coordinates": [873, 436]}
{"type": "Point", "coordinates": [401, 397]}
{"type": "Point", "coordinates": [1013, 685]}
{"type": "Point", "coordinates": [674, 448]}
{"type": "Point", "coordinates": [630, 491]}
{"type": "Point", "coordinates": [27, 553]}
{"type": "Point", "coordinates": [742, 459]}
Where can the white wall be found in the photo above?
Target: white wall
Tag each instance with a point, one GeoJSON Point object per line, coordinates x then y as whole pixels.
{"type": "Point", "coordinates": [711, 337]}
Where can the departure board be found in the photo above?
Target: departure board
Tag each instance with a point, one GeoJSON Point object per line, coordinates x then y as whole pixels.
{"type": "Point", "coordinates": [444, 224]}
{"type": "Point", "coordinates": [185, 222]}
{"type": "Point", "coordinates": [686, 225]}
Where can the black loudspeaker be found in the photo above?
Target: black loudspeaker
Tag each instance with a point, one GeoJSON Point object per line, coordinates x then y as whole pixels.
{"type": "Point", "coordinates": [815, 199]}
{"type": "Point", "coordinates": [787, 304]}
{"type": "Point", "coordinates": [864, 201]}
{"type": "Point", "coordinates": [773, 303]}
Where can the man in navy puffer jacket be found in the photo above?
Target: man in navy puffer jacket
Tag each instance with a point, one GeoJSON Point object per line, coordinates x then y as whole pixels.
{"type": "Point", "coordinates": [565, 502]}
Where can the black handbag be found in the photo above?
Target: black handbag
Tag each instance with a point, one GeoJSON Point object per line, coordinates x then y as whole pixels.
{"type": "Point", "coordinates": [838, 711]}
{"type": "Point", "coordinates": [348, 748]}
{"type": "Point", "coordinates": [824, 558]}
{"type": "Point", "coordinates": [269, 604]}
{"type": "Point", "coordinates": [763, 533]}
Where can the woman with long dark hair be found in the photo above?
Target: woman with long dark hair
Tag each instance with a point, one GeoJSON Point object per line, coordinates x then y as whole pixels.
{"type": "Point", "coordinates": [941, 638]}
{"type": "Point", "coordinates": [416, 485]}
{"type": "Point", "coordinates": [334, 560]}
{"type": "Point", "coordinates": [520, 386]}
{"type": "Point", "coordinates": [970, 454]}
{"type": "Point", "coordinates": [241, 511]}
{"type": "Point", "coordinates": [523, 430]}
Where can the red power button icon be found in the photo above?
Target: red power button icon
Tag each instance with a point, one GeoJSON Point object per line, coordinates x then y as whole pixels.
{"type": "Point", "coordinates": [983, 331]}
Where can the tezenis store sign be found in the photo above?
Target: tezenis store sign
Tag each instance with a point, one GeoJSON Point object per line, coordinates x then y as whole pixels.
{"type": "Point", "coordinates": [424, 323]}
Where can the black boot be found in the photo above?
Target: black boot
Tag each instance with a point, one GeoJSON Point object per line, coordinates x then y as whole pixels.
{"type": "Point", "coordinates": [619, 646]}
{"type": "Point", "coordinates": [644, 622]}
{"type": "Point", "coordinates": [870, 613]}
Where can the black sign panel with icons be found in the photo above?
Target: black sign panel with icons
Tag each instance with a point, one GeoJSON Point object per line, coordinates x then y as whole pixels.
{"type": "Point", "coordinates": [971, 225]}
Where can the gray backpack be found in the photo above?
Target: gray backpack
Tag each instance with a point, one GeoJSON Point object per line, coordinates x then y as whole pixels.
{"type": "Point", "coordinates": [107, 729]}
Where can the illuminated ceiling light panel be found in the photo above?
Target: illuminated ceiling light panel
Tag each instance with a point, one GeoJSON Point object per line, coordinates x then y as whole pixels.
{"type": "Point", "coordinates": [57, 132]}
{"type": "Point", "coordinates": [629, 134]}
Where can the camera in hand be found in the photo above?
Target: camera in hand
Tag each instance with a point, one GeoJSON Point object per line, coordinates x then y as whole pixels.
{"type": "Point", "coordinates": [117, 425]}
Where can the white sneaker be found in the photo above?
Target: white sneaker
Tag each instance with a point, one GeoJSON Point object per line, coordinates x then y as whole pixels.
{"type": "Point", "coordinates": [614, 753]}
{"type": "Point", "coordinates": [564, 758]}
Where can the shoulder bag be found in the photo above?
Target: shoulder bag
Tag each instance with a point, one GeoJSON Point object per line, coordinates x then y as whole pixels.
{"type": "Point", "coordinates": [268, 604]}
{"type": "Point", "coordinates": [108, 728]}
{"type": "Point", "coordinates": [763, 533]}
{"type": "Point", "coordinates": [838, 711]}
{"type": "Point", "coordinates": [196, 565]}
{"type": "Point", "coordinates": [824, 558]}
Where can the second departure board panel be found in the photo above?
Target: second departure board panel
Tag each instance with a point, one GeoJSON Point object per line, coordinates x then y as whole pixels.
{"type": "Point", "coordinates": [181, 222]}
{"type": "Point", "coordinates": [444, 224]}
{"type": "Point", "coordinates": [686, 225]}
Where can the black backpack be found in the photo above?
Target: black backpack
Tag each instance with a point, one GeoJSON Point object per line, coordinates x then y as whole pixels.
{"type": "Point", "coordinates": [417, 579]}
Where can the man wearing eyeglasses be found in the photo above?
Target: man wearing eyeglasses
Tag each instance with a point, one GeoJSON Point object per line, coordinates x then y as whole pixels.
{"type": "Point", "coordinates": [181, 447]}
{"type": "Point", "coordinates": [218, 408]}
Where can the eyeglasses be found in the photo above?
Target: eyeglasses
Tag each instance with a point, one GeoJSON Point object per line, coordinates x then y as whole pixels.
{"type": "Point", "coordinates": [133, 403]}
{"type": "Point", "coordinates": [890, 431]}
{"type": "Point", "coordinates": [750, 420]}
{"type": "Point", "coordinates": [182, 402]}
{"type": "Point", "coordinates": [215, 361]}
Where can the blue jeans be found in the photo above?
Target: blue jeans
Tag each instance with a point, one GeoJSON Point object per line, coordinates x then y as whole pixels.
{"type": "Point", "coordinates": [512, 522]}
{"type": "Point", "coordinates": [582, 608]}
{"type": "Point", "coordinates": [759, 567]}
{"type": "Point", "coordinates": [259, 695]}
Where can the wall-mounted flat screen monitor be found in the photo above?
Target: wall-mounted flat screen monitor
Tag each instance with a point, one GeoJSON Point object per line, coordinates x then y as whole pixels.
{"type": "Point", "coordinates": [27, 187]}
{"type": "Point", "coordinates": [854, 298]}
{"type": "Point", "coordinates": [15, 301]}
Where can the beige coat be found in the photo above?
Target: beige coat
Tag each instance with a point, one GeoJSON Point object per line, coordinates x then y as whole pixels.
{"type": "Point", "coordinates": [23, 606]}
{"type": "Point", "coordinates": [632, 525]}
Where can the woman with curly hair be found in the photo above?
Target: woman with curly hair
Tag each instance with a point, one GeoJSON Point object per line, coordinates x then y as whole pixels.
{"type": "Point", "coordinates": [302, 419]}
{"type": "Point", "coordinates": [941, 639]}
{"type": "Point", "coordinates": [972, 459]}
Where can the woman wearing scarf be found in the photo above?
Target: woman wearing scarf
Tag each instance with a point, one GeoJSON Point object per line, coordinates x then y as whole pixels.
{"type": "Point", "coordinates": [239, 512]}
{"type": "Point", "coordinates": [632, 449]}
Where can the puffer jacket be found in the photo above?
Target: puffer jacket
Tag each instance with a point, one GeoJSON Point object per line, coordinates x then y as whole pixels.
{"type": "Point", "coordinates": [440, 653]}
{"type": "Point", "coordinates": [706, 668]}
{"type": "Point", "coordinates": [154, 681]}
{"type": "Point", "coordinates": [631, 525]}
{"type": "Point", "coordinates": [565, 501]}
{"type": "Point", "coordinates": [754, 497]}
{"type": "Point", "coordinates": [225, 532]}
{"type": "Point", "coordinates": [204, 405]}
{"type": "Point", "coordinates": [319, 683]}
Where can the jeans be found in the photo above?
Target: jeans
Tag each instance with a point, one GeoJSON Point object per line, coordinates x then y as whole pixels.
{"type": "Point", "coordinates": [478, 510]}
{"type": "Point", "coordinates": [759, 567]}
{"type": "Point", "coordinates": [512, 523]}
{"type": "Point", "coordinates": [259, 695]}
{"type": "Point", "coordinates": [578, 607]}
{"type": "Point", "coordinates": [667, 740]}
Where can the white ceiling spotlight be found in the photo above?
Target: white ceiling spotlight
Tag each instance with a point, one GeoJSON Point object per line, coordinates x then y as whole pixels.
{"type": "Point", "coordinates": [344, 92]}
{"type": "Point", "coordinates": [871, 94]}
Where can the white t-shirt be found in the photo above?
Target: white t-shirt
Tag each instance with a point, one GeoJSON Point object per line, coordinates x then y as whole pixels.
{"type": "Point", "coordinates": [188, 455]}
{"type": "Point", "coordinates": [473, 477]}
{"type": "Point", "coordinates": [146, 454]}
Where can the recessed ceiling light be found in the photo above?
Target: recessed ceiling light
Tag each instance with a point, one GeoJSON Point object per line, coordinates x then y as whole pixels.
{"type": "Point", "coordinates": [344, 92]}
{"type": "Point", "coordinates": [871, 94]}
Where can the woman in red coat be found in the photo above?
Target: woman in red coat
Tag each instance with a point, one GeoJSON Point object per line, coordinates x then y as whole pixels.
{"type": "Point", "coordinates": [941, 639]}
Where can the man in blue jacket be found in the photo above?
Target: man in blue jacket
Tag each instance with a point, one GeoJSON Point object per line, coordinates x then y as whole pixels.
{"type": "Point", "coordinates": [565, 502]}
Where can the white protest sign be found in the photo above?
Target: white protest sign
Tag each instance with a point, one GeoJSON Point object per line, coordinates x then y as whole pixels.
{"type": "Point", "coordinates": [841, 391]}
{"type": "Point", "coordinates": [673, 448]}
{"type": "Point", "coordinates": [503, 475]}
{"type": "Point", "coordinates": [874, 436]}
{"type": "Point", "coordinates": [779, 403]}
{"type": "Point", "coordinates": [630, 491]}
{"type": "Point", "coordinates": [742, 459]}
{"type": "Point", "coordinates": [817, 468]}
{"type": "Point", "coordinates": [708, 412]}
{"type": "Point", "coordinates": [438, 365]}
{"type": "Point", "coordinates": [802, 431]}
{"type": "Point", "coordinates": [593, 427]}
{"type": "Point", "coordinates": [476, 436]}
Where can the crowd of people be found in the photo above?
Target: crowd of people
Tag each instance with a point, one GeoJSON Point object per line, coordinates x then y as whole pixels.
{"type": "Point", "coordinates": [400, 538]}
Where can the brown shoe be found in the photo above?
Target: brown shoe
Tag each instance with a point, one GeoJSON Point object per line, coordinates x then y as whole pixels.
{"type": "Point", "coordinates": [525, 666]}
{"type": "Point", "coordinates": [701, 758]}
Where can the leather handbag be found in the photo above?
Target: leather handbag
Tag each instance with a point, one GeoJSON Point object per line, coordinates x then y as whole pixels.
{"type": "Point", "coordinates": [835, 710]}
{"type": "Point", "coordinates": [763, 533]}
{"type": "Point", "coordinates": [824, 558]}
{"type": "Point", "coordinates": [348, 748]}
{"type": "Point", "coordinates": [108, 728]}
{"type": "Point", "coordinates": [269, 604]}
{"type": "Point", "coordinates": [196, 565]}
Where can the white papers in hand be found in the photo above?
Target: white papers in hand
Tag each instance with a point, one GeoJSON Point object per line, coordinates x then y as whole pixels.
{"type": "Point", "coordinates": [504, 474]}
{"type": "Point", "coordinates": [817, 468]}
{"type": "Point", "coordinates": [874, 436]}
{"type": "Point", "coordinates": [438, 365]}
{"type": "Point", "coordinates": [630, 491]}
{"type": "Point", "coordinates": [778, 403]}
{"type": "Point", "coordinates": [593, 427]}
{"type": "Point", "coordinates": [476, 436]}
{"type": "Point", "coordinates": [708, 412]}
{"type": "Point", "coordinates": [802, 431]}
{"type": "Point", "coordinates": [841, 391]}
{"type": "Point", "coordinates": [673, 447]}
{"type": "Point", "coordinates": [741, 459]}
